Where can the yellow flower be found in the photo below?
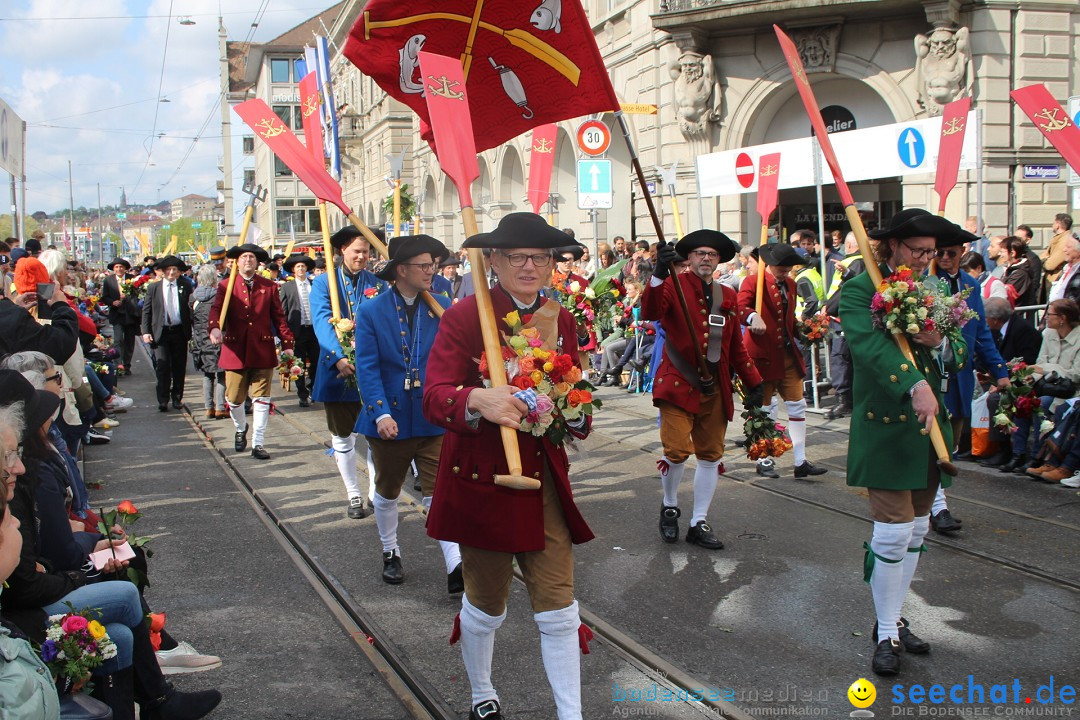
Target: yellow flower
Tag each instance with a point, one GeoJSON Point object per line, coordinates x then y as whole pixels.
{"type": "Point", "coordinates": [536, 376]}
{"type": "Point", "coordinates": [530, 333]}
{"type": "Point", "coordinates": [540, 354]}
{"type": "Point", "coordinates": [615, 293]}
{"type": "Point", "coordinates": [512, 318]}
{"type": "Point", "coordinates": [96, 629]}
{"type": "Point", "coordinates": [548, 367]}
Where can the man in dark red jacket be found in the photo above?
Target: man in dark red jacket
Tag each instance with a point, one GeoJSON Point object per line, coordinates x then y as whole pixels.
{"type": "Point", "coordinates": [692, 422]}
{"type": "Point", "coordinates": [495, 524]}
{"type": "Point", "coordinates": [773, 344]}
{"type": "Point", "coordinates": [248, 356]}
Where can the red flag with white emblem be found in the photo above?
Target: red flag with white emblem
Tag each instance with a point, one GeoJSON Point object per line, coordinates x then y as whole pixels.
{"type": "Point", "coordinates": [953, 128]}
{"type": "Point", "coordinates": [1053, 122]}
{"type": "Point", "coordinates": [541, 161]}
{"type": "Point", "coordinates": [767, 185]}
{"type": "Point", "coordinates": [525, 63]}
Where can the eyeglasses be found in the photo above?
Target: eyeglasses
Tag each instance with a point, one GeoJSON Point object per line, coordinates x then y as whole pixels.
{"type": "Point", "coordinates": [945, 253]}
{"type": "Point", "coordinates": [518, 260]}
{"type": "Point", "coordinates": [1050, 314]}
{"type": "Point", "coordinates": [424, 267]}
{"type": "Point", "coordinates": [919, 254]}
{"type": "Point", "coordinates": [706, 254]}
{"type": "Point", "coordinates": [13, 457]}
{"type": "Point", "coordinates": [58, 377]}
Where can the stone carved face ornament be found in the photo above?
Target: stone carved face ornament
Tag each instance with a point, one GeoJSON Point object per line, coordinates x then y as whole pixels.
{"type": "Point", "coordinates": [696, 93]}
{"type": "Point", "coordinates": [814, 52]}
{"type": "Point", "coordinates": [942, 44]}
{"type": "Point", "coordinates": [943, 68]}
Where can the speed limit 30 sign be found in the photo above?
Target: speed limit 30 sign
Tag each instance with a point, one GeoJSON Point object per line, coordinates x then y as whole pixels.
{"type": "Point", "coordinates": [593, 137]}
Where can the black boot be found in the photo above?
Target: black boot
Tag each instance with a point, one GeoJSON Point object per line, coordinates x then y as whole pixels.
{"type": "Point", "coordinates": [842, 407]}
{"type": "Point", "coordinates": [615, 378]}
{"type": "Point", "coordinates": [176, 705]}
{"type": "Point", "coordinates": [1017, 464]}
{"type": "Point", "coordinates": [158, 699]}
{"type": "Point", "coordinates": [116, 691]}
{"type": "Point", "coordinates": [1001, 457]}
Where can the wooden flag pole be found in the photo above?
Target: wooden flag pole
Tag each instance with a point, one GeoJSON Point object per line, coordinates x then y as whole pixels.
{"type": "Point", "coordinates": [254, 193]}
{"type": "Point", "coordinates": [331, 271]}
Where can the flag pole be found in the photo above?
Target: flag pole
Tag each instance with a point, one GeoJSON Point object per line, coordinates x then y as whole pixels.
{"type": "Point", "coordinates": [254, 192]}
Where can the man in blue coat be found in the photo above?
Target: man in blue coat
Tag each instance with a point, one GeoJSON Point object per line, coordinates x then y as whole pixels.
{"type": "Point", "coordinates": [335, 380]}
{"type": "Point", "coordinates": [398, 331]}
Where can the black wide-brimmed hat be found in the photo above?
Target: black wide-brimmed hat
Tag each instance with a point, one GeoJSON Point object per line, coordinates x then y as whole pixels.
{"type": "Point", "coordinates": [120, 261]}
{"type": "Point", "coordinates": [521, 230]}
{"type": "Point", "coordinates": [290, 262]}
{"type": "Point", "coordinates": [348, 234]}
{"type": "Point", "coordinates": [916, 222]}
{"type": "Point", "coordinates": [570, 252]}
{"type": "Point", "coordinates": [260, 254]}
{"type": "Point", "coordinates": [172, 261]}
{"type": "Point", "coordinates": [320, 263]}
{"type": "Point", "coordinates": [714, 239]}
{"type": "Point", "coordinates": [38, 405]}
{"type": "Point", "coordinates": [450, 260]}
{"type": "Point", "coordinates": [217, 253]}
{"type": "Point", "coordinates": [781, 255]}
{"type": "Point", "coordinates": [406, 247]}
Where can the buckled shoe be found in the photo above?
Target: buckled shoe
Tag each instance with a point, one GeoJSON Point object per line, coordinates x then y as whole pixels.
{"type": "Point", "coordinates": [669, 523]}
{"type": "Point", "coordinates": [886, 660]}
{"type": "Point", "coordinates": [702, 535]}
{"type": "Point", "coordinates": [392, 573]}
{"type": "Point", "coordinates": [487, 710]}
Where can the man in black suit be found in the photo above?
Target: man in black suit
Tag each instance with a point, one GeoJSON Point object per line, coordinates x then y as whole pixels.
{"type": "Point", "coordinates": [296, 302]}
{"type": "Point", "coordinates": [123, 312]}
{"type": "Point", "coordinates": [166, 327]}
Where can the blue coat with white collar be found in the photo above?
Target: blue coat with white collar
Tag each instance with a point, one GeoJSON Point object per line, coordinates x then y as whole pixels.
{"type": "Point", "coordinates": [980, 346]}
{"type": "Point", "coordinates": [381, 368]}
{"type": "Point", "coordinates": [328, 386]}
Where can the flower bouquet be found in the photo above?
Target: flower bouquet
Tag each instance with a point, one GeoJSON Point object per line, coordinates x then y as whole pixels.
{"type": "Point", "coordinates": [764, 436]}
{"type": "Point", "coordinates": [588, 302]}
{"type": "Point", "coordinates": [814, 330]}
{"type": "Point", "coordinates": [907, 304]}
{"type": "Point", "coordinates": [289, 369]}
{"type": "Point", "coordinates": [125, 515]}
{"type": "Point", "coordinates": [1019, 400]}
{"type": "Point", "coordinates": [75, 645]}
{"type": "Point", "coordinates": [346, 333]}
{"type": "Point", "coordinates": [549, 383]}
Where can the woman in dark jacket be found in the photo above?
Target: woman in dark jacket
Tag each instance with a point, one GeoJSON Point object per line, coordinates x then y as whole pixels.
{"type": "Point", "coordinates": [1018, 271]}
{"type": "Point", "coordinates": [204, 354]}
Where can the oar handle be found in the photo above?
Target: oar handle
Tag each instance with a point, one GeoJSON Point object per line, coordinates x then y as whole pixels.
{"type": "Point", "coordinates": [760, 296]}
{"type": "Point", "coordinates": [228, 296]}
{"type": "Point", "coordinates": [677, 215]}
{"type": "Point", "coordinates": [380, 246]}
{"type": "Point", "coordinates": [331, 271]}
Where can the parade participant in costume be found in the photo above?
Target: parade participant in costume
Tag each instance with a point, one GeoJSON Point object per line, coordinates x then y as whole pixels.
{"type": "Point", "coordinates": [218, 260]}
{"type": "Point", "coordinates": [772, 344]}
{"type": "Point", "coordinates": [335, 383]}
{"type": "Point", "coordinates": [166, 328]}
{"type": "Point", "coordinates": [494, 524]}
{"type": "Point", "coordinates": [391, 368]}
{"type": "Point", "coordinates": [691, 421]}
{"type": "Point", "coordinates": [124, 314]}
{"type": "Point", "coordinates": [889, 452]}
{"type": "Point", "coordinates": [247, 344]}
{"type": "Point", "coordinates": [296, 302]}
{"type": "Point", "coordinates": [449, 272]}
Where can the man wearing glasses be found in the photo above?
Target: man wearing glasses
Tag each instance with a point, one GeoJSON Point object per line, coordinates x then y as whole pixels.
{"type": "Point", "coordinates": [397, 331]}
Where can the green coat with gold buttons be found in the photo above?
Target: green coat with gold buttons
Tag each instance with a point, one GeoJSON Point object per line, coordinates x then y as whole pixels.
{"type": "Point", "coordinates": [887, 449]}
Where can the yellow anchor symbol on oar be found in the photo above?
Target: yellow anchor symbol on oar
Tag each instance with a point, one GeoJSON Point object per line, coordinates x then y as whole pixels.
{"type": "Point", "coordinates": [269, 129]}
{"type": "Point", "coordinates": [542, 146]}
{"type": "Point", "coordinates": [310, 105]}
{"type": "Point", "coordinates": [954, 126]}
{"type": "Point", "coordinates": [445, 88]}
{"type": "Point", "coordinates": [1053, 123]}
{"type": "Point", "coordinates": [518, 38]}
{"type": "Point", "coordinates": [768, 170]}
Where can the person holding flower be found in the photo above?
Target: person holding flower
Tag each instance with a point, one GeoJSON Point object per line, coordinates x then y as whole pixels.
{"type": "Point", "coordinates": [335, 383]}
{"type": "Point", "coordinates": [493, 524]}
{"type": "Point", "coordinates": [124, 313]}
{"type": "Point", "coordinates": [895, 403]}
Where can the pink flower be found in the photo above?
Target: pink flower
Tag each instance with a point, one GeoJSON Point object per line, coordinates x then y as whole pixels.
{"type": "Point", "coordinates": [535, 342]}
{"type": "Point", "coordinates": [543, 404]}
{"type": "Point", "coordinates": [74, 623]}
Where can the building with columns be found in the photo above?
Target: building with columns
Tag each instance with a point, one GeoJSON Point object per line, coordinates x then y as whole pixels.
{"type": "Point", "coordinates": [715, 72]}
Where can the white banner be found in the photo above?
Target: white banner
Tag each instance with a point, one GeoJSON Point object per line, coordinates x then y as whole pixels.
{"type": "Point", "coordinates": [11, 141]}
{"type": "Point", "coordinates": [884, 151]}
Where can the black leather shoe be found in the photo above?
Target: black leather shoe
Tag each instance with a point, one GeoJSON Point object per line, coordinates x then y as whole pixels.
{"type": "Point", "coordinates": [240, 441]}
{"type": "Point", "coordinates": [806, 470]}
{"type": "Point", "coordinates": [669, 523]}
{"type": "Point", "coordinates": [177, 405]}
{"type": "Point", "coordinates": [614, 379]}
{"type": "Point", "coordinates": [163, 407]}
{"type": "Point", "coordinates": [740, 443]}
{"type": "Point", "coordinates": [767, 468]}
{"type": "Point", "coordinates": [702, 535]}
{"type": "Point", "coordinates": [259, 453]}
{"type": "Point", "coordinates": [487, 710]}
{"type": "Point", "coordinates": [357, 511]}
{"type": "Point", "coordinates": [304, 402]}
{"type": "Point", "coordinates": [944, 522]}
{"type": "Point", "coordinates": [911, 642]}
{"type": "Point", "coordinates": [966, 455]}
{"type": "Point", "coordinates": [886, 660]}
{"type": "Point", "coordinates": [1017, 464]}
{"type": "Point", "coordinates": [1001, 457]}
{"type": "Point", "coordinates": [392, 572]}
{"type": "Point", "coordinates": [455, 583]}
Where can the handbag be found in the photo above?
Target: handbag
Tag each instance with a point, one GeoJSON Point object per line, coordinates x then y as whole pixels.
{"type": "Point", "coordinates": [1055, 385]}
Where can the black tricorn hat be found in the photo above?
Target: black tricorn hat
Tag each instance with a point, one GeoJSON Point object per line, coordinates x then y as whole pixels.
{"type": "Point", "coordinates": [171, 261]}
{"type": "Point", "coordinates": [406, 247]}
{"type": "Point", "coordinates": [120, 261]}
{"type": "Point", "coordinates": [290, 262]}
{"type": "Point", "coordinates": [521, 230]}
{"type": "Point", "coordinates": [449, 260]}
{"type": "Point", "coordinates": [348, 234]}
{"type": "Point", "coordinates": [781, 255]}
{"type": "Point", "coordinates": [714, 239]}
{"type": "Point", "coordinates": [320, 263]}
{"type": "Point", "coordinates": [38, 405]}
{"type": "Point", "coordinates": [916, 222]}
{"type": "Point", "coordinates": [260, 254]}
{"type": "Point", "coordinates": [571, 252]}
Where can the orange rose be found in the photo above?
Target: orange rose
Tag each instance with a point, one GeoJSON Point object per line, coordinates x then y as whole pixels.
{"type": "Point", "coordinates": [563, 388]}
{"type": "Point", "coordinates": [573, 375]}
{"type": "Point", "coordinates": [127, 508]}
{"type": "Point", "coordinates": [527, 364]}
{"type": "Point", "coordinates": [574, 398]}
{"type": "Point", "coordinates": [586, 396]}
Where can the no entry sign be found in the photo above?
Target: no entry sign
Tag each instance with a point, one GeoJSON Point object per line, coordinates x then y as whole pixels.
{"type": "Point", "coordinates": [744, 170]}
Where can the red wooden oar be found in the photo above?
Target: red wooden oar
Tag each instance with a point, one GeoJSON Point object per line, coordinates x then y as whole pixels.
{"type": "Point", "coordinates": [1052, 120]}
{"type": "Point", "coordinates": [451, 125]}
{"type": "Point", "coordinates": [541, 161]}
{"type": "Point", "coordinates": [768, 187]}
{"type": "Point", "coordinates": [951, 146]}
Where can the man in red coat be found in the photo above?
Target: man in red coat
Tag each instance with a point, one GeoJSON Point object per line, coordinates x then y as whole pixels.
{"type": "Point", "coordinates": [692, 422]}
{"type": "Point", "coordinates": [773, 345]}
{"type": "Point", "coordinates": [248, 356]}
{"type": "Point", "coordinates": [495, 524]}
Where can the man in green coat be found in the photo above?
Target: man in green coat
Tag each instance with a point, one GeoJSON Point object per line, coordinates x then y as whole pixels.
{"type": "Point", "coordinates": [895, 402]}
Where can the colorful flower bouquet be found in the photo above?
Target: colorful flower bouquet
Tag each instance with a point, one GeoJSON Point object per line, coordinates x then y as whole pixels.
{"type": "Point", "coordinates": [549, 383]}
{"type": "Point", "coordinates": [814, 330]}
{"type": "Point", "coordinates": [75, 645]}
{"type": "Point", "coordinates": [592, 302]}
{"type": "Point", "coordinates": [346, 333]}
{"type": "Point", "coordinates": [905, 303]}
{"type": "Point", "coordinates": [764, 436]}
{"type": "Point", "coordinates": [289, 369]}
{"type": "Point", "coordinates": [1019, 400]}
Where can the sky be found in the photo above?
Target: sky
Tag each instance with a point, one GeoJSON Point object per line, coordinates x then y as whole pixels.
{"type": "Point", "coordinates": [87, 78]}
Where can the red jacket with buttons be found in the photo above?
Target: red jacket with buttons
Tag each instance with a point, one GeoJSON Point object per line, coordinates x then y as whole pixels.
{"type": "Point", "coordinates": [468, 507]}
{"type": "Point", "coordinates": [248, 339]}
{"type": "Point", "coordinates": [660, 302]}
{"type": "Point", "coordinates": [767, 349]}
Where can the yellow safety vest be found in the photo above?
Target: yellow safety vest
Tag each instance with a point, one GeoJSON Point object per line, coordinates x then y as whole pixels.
{"type": "Point", "coordinates": [838, 276]}
{"type": "Point", "coordinates": [814, 276]}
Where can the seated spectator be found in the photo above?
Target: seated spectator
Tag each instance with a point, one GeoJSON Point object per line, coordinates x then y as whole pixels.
{"type": "Point", "coordinates": [1060, 450]}
{"type": "Point", "coordinates": [973, 264]}
{"type": "Point", "coordinates": [613, 346]}
{"type": "Point", "coordinates": [1068, 283]}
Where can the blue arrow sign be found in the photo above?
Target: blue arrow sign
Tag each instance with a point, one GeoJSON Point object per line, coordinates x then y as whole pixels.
{"type": "Point", "coordinates": [911, 148]}
{"type": "Point", "coordinates": [594, 184]}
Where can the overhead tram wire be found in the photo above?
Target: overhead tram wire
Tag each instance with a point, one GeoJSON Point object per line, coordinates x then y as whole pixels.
{"type": "Point", "coordinates": [157, 106]}
{"type": "Point", "coordinates": [149, 17]}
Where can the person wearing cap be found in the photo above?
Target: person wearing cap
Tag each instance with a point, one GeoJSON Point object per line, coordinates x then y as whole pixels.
{"type": "Point", "coordinates": [124, 314]}
{"type": "Point", "coordinates": [335, 384]}
{"type": "Point", "coordinates": [772, 344]}
{"type": "Point", "coordinates": [319, 268]}
{"type": "Point", "coordinates": [166, 328]}
{"type": "Point", "coordinates": [248, 356]}
{"type": "Point", "coordinates": [447, 281]}
{"type": "Point", "coordinates": [692, 421]}
{"type": "Point", "coordinates": [218, 260]}
{"type": "Point", "coordinates": [895, 403]}
{"type": "Point", "coordinates": [391, 368]}
{"type": "Point", "coordinates": [296, 302]}
{"type": "Point", "coordinates": [493, 524]}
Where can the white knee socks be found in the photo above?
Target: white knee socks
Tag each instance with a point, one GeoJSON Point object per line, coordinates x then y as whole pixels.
{"type": "Point", "coordinates": [370, 476]}
{"type": "Point", "coordinates": [796, 413]}
{"type": "Point", "coordinates": [911, 558]}
{"type": "Point", "coordinates": [705, 478]}
{"type": "Point", "coordinates": [562, 658]}
{"type": "Point", "coordinates": [670, 479]}
{"type": "Point", "coordinates": [450, 551]}
{"type": "Point", "coordinates": [236, 412]}
{"type": "Point", "coordinates": [889, 545]}
{"type": "Point", "coordinates": [345, 457]}
{"type": "Point", "coordinates": [386, 519]}
{"type": "Point", "coordinates": [477, 646]}
{"type": "Point", "coordinates": [260, 416]}
{"type": "Point", "coordinates": [939, 502]}
{"type": "Point", "coordinates": [774, 406]}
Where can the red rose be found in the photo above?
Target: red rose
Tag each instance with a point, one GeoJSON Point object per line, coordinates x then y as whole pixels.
{"type": "Point", "coordinates": [562, 364]}
{"type": "Point", "coordinates": [523, 382]}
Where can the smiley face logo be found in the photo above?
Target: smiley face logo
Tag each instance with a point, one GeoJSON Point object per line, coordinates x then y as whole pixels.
{"type": "Point", "coordinates": [862, 693]}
